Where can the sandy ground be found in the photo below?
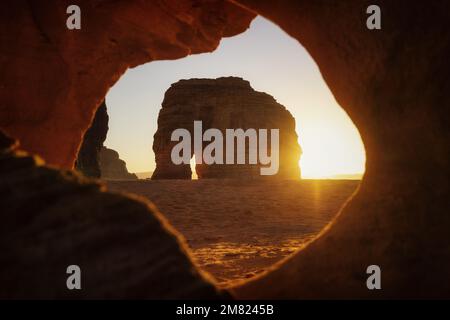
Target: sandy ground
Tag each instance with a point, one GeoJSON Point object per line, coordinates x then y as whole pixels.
{"type": "Point", "coordinates": [236, 228]}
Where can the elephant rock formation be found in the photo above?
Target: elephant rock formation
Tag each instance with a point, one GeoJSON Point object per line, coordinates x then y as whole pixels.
{"type": "Point", "coordinates": [223, 103]}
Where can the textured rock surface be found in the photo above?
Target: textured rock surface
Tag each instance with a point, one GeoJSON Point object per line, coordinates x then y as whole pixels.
{"type": "Point", "coordinates": [88, 161]}
{"type": "Point", "coordinates": [223, 103]}
{"type": "Point", "coordinates": [52, 79]}
{"type": "Point", "coordinates": [393, 83]}
{"type": "Point", "coordinates": [112, 167]}
{"type": "Point", "coordinates": [52, 219]}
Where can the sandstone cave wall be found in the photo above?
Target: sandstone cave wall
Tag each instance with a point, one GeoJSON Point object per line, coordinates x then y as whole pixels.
{"type": "Point", "coordinates": [223, 103]}
{"type": "Point", "coordinates": [393, 83]}
{"type": "Point", "coordinates": [53, 79]}
{"type": "Point", "coordinates": [52, 219]}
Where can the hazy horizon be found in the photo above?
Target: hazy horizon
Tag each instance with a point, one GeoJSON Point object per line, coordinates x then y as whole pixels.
{"type": "Point", "coordinates": [274, 63]}
{"type": "Point", "coordinates": [356, 176]}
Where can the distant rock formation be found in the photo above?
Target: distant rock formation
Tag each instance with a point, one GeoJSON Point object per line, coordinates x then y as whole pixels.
{"type": "Point", "coordinates": [88, 156]}
{"type": "Point", "coordinates": [223, 103]}
{"type": "Point", "coordinates": [95, 160]}
{"type": "Point", "coordinates": [112, 167]}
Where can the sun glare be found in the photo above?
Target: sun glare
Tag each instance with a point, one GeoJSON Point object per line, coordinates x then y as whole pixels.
{"type": "Point", "coordinates": [334, 151]}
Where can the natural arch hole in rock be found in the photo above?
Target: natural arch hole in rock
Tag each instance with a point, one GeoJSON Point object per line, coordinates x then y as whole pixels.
{"type": "Point", "coordinates": [238, 228]}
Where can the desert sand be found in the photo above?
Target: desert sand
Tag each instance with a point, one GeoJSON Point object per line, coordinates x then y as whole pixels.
{"type": "Point", "coordinates": [238, 228]}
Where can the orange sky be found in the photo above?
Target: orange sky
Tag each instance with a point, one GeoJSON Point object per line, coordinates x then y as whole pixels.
{"type": "Point", "coordinates": [274, 63]}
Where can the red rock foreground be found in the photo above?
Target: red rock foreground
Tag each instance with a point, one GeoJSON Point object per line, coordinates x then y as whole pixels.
{"type": "Point", "coordinates": [392, 82]}
{"type": "Point", "coordinates": [52, 219]}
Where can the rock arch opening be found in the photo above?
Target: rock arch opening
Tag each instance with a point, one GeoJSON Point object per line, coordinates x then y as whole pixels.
{"type": "Point", "coordinates": [385, 80]}
{"type": "Point", "coordinates": [331, 144]}
{"type": "Point", "coordinates": [209, 87]}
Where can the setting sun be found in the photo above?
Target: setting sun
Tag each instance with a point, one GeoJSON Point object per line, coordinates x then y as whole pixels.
{"type": "Point", "coordinates": [332, 150]}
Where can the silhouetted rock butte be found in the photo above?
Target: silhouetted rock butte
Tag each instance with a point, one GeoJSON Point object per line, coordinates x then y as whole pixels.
{"type": "Point", "coordinates": [112, 167]}
{"type": "Point", "coordinates": [88, 157]}
{"type": "Point", "coordinates": [223, 103]}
